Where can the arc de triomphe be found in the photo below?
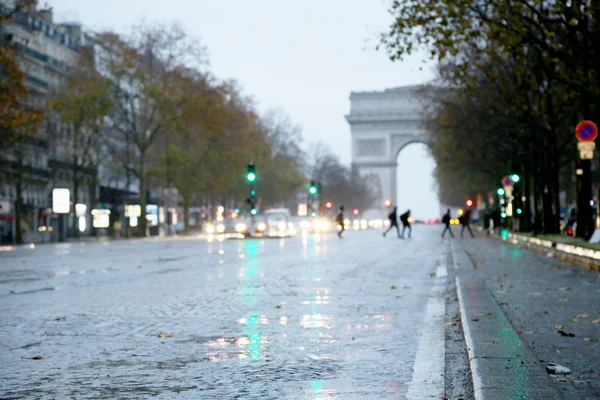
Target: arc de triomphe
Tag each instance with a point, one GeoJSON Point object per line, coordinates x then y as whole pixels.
{"type": "Point", "coordinates": [382, 123]}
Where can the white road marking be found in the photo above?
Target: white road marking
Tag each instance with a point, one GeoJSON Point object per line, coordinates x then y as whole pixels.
{"type": "Point", "coordinates": [428, 369]}
{"type": "Point", "coordinates": [453, 255]}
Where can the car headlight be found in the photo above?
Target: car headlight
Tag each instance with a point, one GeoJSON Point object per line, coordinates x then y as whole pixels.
{"type": "Point", "coordinates": [210, 229]}
{"type": "Point", "coordinates": [220, 228]}
{"type": "Point", "coordinates": [281, 226]}
{"type": "Point", "coordinates": [305, 225]}
{"type": "Point", "coordinates": [241, 228]}
{"type": "Point", "coordinates": [261, 227]}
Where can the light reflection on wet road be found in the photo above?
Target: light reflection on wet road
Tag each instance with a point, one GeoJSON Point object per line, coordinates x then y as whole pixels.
{"type": "Point", "coordinates": [309, 317]}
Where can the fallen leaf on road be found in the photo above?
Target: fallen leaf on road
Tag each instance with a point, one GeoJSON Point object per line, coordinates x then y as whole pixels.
{"type": "Point", "coordinates": [38, 357]}
{"type": "Point", "coordinates": [277, 306]}
{"type": "Point", "coordinates": [449, 323]}
{"type": "Point", "coordinates": [12, 292]}
{"type": "Point", "coordinates": [393, 286]}
{"type": "Point", "coordinates": [60, 318]}
{"type": "Point", "coordinates": [164, 335]}
{"type": "Point", "coordinates": [139, 266]}
{"type": "Point", "coordinates": [565, 288]}
{"type": "Point", "coordinates": [579, 381]}
{"type": "Point", "coordinates": [494, 342]}
{"type": "Point", "coordinates": [573, 320]}
{"type": "Point", "coordinates": [589, 339]}
{"type": "Point", "coordinates": [560, 378]}
{"type": "Point", "coordinates": [582, 316]}
{"type": "Point", "coordinates": [557, 268]}
{"type": "Point", "coordinates": [561, 329]}
{"type": "Point", "coordinates": [489, 314]}
{"type": "Point", "coordinates": [475, 319]}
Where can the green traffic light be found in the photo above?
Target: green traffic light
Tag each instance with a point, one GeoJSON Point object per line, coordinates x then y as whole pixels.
{"type": "Point", "coordinates": [519, 211]}
{"type": "Point", "coordinates": [251, 176]}
{"type": "Point", "coordinates": [515, 178]}
{"type": "Point", "coordinates": [500, 192]}
{"type": "Point", "coordinates": [253, 211]}
{"type": "Point", "coordinates": [312, 190]}
{"type": "Point", "coordinates": [253, 192]}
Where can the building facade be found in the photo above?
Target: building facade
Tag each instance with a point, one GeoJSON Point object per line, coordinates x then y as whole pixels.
{"type": "Point", "coordinates": [47, 53]}
{"type": "Point", "coordinates": [382, 123]}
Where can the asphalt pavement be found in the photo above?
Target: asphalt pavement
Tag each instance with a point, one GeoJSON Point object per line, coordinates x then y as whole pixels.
{"type": "Point", "coordinates": [306, 317]}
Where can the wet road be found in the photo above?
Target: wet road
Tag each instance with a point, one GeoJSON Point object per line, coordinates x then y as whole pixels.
{"type": "Point", "coordinates": [310, 317]}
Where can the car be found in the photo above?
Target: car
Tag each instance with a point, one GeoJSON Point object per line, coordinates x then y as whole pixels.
{"type": "Point", "coordinates": [277, 223]}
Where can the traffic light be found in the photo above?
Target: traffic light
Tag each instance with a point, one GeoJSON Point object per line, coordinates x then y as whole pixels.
{"type": "Point", "coordinates": [328, 205]}
{"type": "Point", "coordinates": [515, 178]}
{"type": "Point", "coordinates": [313, 188]}
{"type": "Point", "coordinates": [500, 192]}
{"type": "Point", "coordinates": [388, 203]}
{"type": "Point", "coordinates": [469, 203]}
{"type": "Point", "coordinates": [251, 173]}
{"type": "Point", "coordinates": [355, 211]}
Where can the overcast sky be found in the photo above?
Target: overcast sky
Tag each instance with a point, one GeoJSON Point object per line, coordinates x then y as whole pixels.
{"type": "Point", "coordinates": [304, 57]}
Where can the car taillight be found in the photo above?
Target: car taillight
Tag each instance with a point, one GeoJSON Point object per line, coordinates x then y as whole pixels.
{"type": "Point", "coordinates": [569, 231]}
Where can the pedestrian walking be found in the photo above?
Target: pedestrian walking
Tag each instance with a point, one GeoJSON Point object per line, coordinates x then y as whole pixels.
{"type": "Point", "coordinates": [446, 221]}
{"type": "Point", "coordinates": [393, 217]}
{"type": "Point", "coordinates": [465, 221]}
{"type": "Point", "coordinates": [340, 220]}
{"type": "Point", "coordinates": [405, 218]}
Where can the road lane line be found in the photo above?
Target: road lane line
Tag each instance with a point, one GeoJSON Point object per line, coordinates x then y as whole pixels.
{"type": "Point", "coordinates": [453, 254]}
{"type": "Point", "coordinates": [428, 369]}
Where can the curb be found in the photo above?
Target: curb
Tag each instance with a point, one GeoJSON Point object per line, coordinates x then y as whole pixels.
{"type": "Point", "coordinates": [568, 252]}
{"type": "Point", "coordinates": [502, 365]}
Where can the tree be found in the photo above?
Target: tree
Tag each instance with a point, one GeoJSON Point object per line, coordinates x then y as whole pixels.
{"type": "Point", "coordinates": [526, 52]}
{"type": "Point", "coordinates": [82, 107]}
{"type": "Point", "coordinates": [340, 184]}
{"type": "Point", "coordinates": [18, 120]}
{"type": "Point", "coordinates": [140, 70]}
{"type": "Point", "coordinates": [281, 168]}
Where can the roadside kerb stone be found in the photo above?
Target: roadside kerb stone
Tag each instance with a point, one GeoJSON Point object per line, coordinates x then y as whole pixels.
{"type": "Point", "coordinates": [502, 365]}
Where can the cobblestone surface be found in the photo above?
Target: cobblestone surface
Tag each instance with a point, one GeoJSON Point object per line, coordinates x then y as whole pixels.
{"type": "Point", "coordinates": [539, 293]}
{"type": "Point", "coordinates": [310, 317]}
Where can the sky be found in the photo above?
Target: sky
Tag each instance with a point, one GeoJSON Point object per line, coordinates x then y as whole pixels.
{"type": "Point", "coordinates": [416, 194]}
{"type": "Point", "coordinates": [304, 57]}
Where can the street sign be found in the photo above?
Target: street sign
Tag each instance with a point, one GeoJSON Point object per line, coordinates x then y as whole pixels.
{"type": "Point", "coordinates": [4, 207]}
{"type": "Point", "coordinates": [586, 131]}
{"type": "Point", "coordinates": [61, 201]}
{"type": "Point", "coordinates": [586, 150]}
{"type": "Point", "coordinates": [506, 181]}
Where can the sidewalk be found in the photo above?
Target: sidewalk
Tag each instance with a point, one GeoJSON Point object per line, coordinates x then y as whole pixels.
{"type": "Point", "coordinates": [554, 307]}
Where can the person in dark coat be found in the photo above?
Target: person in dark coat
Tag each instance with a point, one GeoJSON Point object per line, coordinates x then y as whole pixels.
{"type": "Point", "coordinates": [340, 220]}
{"type": "Point", "coordinates": [393, 222]}
{"type": "Point", "coordinates": [465, 221]}
{"type": "Point", "coordinates": [405, 218]}
{"type": "Point", "coordinates": [446, 221]}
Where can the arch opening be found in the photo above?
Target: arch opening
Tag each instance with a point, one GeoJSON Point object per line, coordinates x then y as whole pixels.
{"type": "Point", "coordinates": [416, 188]}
